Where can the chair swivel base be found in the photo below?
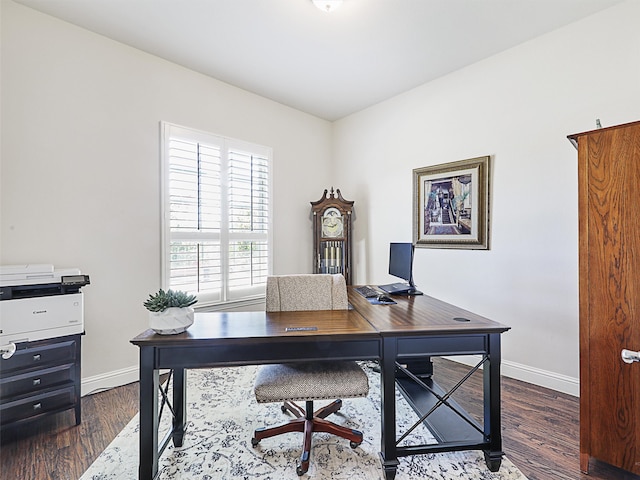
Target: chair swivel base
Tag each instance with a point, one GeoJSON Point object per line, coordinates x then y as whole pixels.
{"type": "Point", "coordinates": [308, 421]}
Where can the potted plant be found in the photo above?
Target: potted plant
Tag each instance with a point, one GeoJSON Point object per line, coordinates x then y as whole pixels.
{"type": "Point", "coordinates": [170, 312]}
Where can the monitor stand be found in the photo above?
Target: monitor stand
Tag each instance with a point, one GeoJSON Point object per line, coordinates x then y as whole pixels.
{"type": "Point", "coordinates": [399, 289]}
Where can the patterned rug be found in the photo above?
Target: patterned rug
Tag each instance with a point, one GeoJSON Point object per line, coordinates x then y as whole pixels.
{"type": "Point", "coordinates": [222, 414]}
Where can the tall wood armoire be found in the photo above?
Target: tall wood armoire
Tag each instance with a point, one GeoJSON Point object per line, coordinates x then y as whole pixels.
{"type": "Point", "coordinates": [609, 257]}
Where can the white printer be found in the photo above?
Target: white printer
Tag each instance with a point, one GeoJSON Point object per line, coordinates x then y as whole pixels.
{"type": "Point", "coordinates": [39, 302]}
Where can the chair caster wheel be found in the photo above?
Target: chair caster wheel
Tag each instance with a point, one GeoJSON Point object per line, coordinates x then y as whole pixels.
{"type": "Point", "coordinates": [254, 442]}
{"type": "Point", "coordinates": [300, 471]}
{"type": "Point", "coordinates": [354, 444]}
{"type": "Point", "coordinates": [283, 408]}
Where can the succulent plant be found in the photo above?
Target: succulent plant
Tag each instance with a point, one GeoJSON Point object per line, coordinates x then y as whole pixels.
{"type": "Point", "coordinates": [171, 298]}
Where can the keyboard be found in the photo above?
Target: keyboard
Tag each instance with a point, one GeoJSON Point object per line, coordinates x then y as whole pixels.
{"type": "Point", "coordinates": [366, 291]}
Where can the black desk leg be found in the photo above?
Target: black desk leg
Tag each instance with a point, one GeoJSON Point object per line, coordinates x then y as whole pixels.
{"type": "Point", "coordinates": [149, 381]}
{"type": "Point", "coordinates": [492, 423]}
{"type": "Point", "coordinates": [179, 403]}
{"type": "Point", "coordinates": [388, 407]}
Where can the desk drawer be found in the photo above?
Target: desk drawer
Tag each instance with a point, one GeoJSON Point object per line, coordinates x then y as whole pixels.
{"type": "Point", "coordinates": [274, 351]}
{"type": "Point", "coordinates": [36, 381]}
{"type": "Point", "coordinates": [446, 345]}
{"type": "Point", "coordinates": [40, 355]}
{"type": "Point", "coordinates": [37, 405]}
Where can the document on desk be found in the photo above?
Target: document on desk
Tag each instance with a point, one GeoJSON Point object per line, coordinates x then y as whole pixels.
{"type": "Point", "coordinates": [375, 301]}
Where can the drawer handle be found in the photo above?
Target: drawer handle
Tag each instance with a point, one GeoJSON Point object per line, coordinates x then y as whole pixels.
{"type": "Point", "coordinates": [36, 381]}
{"type": "Point", "coordinates": [37, 406]}
{"type": "Point", "coordinates": [36, 358]}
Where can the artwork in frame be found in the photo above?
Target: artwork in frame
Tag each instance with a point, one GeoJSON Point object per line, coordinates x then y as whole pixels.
{"type": "Point", "coordinates": [451, 205]}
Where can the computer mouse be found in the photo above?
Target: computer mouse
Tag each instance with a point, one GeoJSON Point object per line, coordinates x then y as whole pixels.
{"type": "Point", "coordinates": [384, 298]}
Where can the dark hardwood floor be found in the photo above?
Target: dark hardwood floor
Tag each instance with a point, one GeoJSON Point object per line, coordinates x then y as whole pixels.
{"type": "Point", "coordinates": [540, 432]}
{"type": "Point", "coordinates": [540, 427]}
{"type": "Point", "coordinates": [55, 449]}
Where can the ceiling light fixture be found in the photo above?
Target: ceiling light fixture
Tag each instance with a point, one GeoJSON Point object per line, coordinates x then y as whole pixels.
{"type": "Point", "coordinates": [327, 5]}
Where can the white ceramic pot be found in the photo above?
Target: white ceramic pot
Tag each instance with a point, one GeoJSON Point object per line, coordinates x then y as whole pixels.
{"type": "Point", "coordinates": [171, 321]}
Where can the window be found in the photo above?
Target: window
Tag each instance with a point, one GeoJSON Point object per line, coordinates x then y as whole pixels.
{"type": "Point", "coordinates": [216, 215]}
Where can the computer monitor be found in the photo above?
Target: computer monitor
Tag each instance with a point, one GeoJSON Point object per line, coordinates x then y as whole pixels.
{"type": "Point", "coordinates": [401, 266]}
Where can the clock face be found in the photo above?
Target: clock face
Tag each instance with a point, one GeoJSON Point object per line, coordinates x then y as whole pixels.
{"type": "Point", "coordinates": [332, 223]}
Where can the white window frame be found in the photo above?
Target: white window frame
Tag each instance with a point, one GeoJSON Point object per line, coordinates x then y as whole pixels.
{"type": "Point", "coordinates": [248, 294]}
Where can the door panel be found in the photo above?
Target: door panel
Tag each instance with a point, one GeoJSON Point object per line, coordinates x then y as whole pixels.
{"type": "Point", "coordinates": [613, 258]}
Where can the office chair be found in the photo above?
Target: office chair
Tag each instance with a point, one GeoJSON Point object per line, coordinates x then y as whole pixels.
{"type": "Point", "coordinates": [308, 381]}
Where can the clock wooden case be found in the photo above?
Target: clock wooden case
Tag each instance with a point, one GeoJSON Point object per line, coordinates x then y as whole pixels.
{"type": "Point", "coordinates": [332, 234]}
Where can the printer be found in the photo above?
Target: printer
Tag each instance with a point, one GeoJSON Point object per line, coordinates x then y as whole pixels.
{"type": "Point", "coordinates": [38, 302]}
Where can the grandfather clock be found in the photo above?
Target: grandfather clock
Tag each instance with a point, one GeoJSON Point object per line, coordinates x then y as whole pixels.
{"type": "Point", "coordinates": [332, 234]}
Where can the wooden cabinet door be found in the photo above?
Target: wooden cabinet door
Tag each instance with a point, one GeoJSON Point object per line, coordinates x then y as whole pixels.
{"type": "Point", "coordinates": [609, 193]}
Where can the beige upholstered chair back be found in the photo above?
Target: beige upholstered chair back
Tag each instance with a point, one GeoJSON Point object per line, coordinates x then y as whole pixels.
{"type": "Point", "coordinates": [286, 293]}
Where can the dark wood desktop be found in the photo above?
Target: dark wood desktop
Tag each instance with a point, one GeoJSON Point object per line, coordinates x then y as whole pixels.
{"type": "Point", "coordinates": [238, 338]}
{"type": "Point", "coordinates": [414, 328]}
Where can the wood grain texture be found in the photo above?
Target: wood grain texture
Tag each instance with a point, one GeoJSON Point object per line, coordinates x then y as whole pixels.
{"type": "Point", "coordinates": [423, 314]}
{"type": "Point", "coordinates": [609, 202]}
{"type": "Point", "coordinates": [540, 426]}
{"type": "Point", "coordinates": [54, 448]}
{"type": "Point", "coordinates": [246, 327]}
{"type": "Point", "coordinates": [540, 432]}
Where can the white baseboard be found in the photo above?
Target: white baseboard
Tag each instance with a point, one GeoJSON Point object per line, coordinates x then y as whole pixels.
{"type": "Point", "coordinates": [525, 373]}
{"type": "Point", "coordinates": [108, 380]}
{"type": "Point", "coordinates": [536, 376]}
{"type": "Point", "coordinates": [117, 378]}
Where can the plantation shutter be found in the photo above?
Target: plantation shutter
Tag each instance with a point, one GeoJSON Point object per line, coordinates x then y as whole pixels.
{"type": "Point", "coordinates": [248, 218]}
{"type": "Point", "coordinates": [216, 215]}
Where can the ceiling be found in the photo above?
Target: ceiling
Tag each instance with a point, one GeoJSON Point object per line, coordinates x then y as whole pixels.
{"type": "Point", "coordinates": [327, 64]}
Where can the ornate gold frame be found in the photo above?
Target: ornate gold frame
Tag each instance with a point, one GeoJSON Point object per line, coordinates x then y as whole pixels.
{"type": "Point", "coordinates": [454, 212]}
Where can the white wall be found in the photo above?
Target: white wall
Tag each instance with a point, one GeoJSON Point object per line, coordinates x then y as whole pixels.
{"type": "Point", "coordinates": [80, 168]}
{"type": "Point", "coordinates": [518, 107]}
{"type": "Point", "coordinates": [79, 174]}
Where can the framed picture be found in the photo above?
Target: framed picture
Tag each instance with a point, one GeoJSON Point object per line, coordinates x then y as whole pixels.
{"type": "Point", "coordinates": [451, 205]}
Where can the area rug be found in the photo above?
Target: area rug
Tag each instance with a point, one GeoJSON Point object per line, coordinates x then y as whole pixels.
{"type": "Point", "coordinates": [222, 414]}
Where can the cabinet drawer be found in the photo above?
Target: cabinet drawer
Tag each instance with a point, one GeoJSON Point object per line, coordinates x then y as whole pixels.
{"type": "Point", "coordinates": [37, 405]}
{"type": "Point", "coordinates": [25, 383]}
{"type": "Point", "coordinates": [34, 357]}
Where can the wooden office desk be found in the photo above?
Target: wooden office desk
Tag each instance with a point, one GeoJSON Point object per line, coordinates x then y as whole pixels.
{"type": "Point", "coordinates": [238, 338]}
{"type": "Point", "coordinates": [420, 327]}
{"type": "Point", "coordinates": [415, 328]}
